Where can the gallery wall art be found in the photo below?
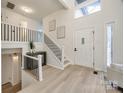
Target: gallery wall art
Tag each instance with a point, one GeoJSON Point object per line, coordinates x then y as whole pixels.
{"type": "Point", "coordinates": [52, 25]}
{"type": "Point", "coordinates": [60, 32]}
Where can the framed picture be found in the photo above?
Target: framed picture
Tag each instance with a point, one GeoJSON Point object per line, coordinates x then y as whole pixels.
{"type": "Point", "coordinates": [60, 32]}
{"type": "Point", "coordinates": [52, 25]}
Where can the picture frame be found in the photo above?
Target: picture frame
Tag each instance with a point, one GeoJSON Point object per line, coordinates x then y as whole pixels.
{"type": "Point", "coordinates": [52, 25]}
{"type": "Point", "coordinates": [61, 32]}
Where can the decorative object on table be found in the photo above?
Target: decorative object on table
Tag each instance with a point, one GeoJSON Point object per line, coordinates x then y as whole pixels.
{"type": "Point", "coordinates": [52, 25]}
{"type": "Point", "coordinates": [32, 46]}
{"type": "Point", "coordinates": [60, 32]}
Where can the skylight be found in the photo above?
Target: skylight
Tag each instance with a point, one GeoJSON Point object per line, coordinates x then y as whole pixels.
{"type": "Point", "coordinates": [94, 7]}
{"type": "Point", "coordinates": [77, 2]}
{"type": "Point", "coordinates": [89, 9]}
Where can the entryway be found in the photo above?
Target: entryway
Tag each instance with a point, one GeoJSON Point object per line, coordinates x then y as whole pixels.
{"type": "Point", "coordinates": [84, 47]}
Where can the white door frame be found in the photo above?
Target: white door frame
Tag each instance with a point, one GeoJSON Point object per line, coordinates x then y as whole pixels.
{"type": "Point", "coordinates": [105, 43]}
{"type": "Point", "coordinates": [74, 46]}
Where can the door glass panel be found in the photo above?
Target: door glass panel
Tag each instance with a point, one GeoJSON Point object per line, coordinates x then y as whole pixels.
{"type": "Point", "coordinates": [109, 43]}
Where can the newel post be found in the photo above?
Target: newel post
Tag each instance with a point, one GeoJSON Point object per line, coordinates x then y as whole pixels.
{"type": "Point", "coordinates": [40, 67]}
{"type": "Point", "coordinates": [63, 56]}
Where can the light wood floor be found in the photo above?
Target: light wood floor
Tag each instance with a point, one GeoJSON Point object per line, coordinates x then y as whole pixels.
{"type": "Point", "coordinates": [74, 79]}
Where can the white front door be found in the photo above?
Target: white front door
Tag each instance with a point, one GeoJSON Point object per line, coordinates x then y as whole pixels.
{"type": "Point", "coordinates": [84, 47]}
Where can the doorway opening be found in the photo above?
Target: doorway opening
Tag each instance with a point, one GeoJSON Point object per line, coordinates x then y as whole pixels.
{"type": "Point", "coordinates": [11, 70]}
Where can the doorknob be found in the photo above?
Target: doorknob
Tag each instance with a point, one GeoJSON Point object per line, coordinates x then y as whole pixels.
{"type": "Point", "coordinates": [75, 49]}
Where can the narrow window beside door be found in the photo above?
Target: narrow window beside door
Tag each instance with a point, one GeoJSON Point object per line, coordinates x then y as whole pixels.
{"type": "Point", "coordinates": [109, 43]}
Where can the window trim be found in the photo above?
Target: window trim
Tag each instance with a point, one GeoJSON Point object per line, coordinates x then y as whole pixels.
{"type": "Point", "coordinates": [85, 4]}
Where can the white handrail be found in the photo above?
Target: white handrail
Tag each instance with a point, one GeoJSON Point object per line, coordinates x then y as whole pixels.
{"type": "Point", "coordinates": [31, 57]}
{"type": "Point", "coordinates": [20, 26]}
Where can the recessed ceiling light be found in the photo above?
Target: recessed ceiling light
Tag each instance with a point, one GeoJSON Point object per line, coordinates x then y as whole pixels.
{"type": "Point", "coordinates": [26, 9]}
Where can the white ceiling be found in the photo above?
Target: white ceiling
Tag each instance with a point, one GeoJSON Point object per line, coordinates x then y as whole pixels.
{"type": "Point", "coordinates": [41, 8]}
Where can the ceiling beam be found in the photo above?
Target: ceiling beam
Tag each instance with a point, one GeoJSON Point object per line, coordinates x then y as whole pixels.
{"type": "Point", "coordinates": [64, 3]}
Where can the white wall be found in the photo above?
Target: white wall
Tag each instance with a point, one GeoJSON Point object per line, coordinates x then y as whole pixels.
{"type": "Point", "coordinates": [111, 11]}
{"type": "Point", "coordinates": [8, 16]}
{"type": "Point", "coordinates": [114, 12]}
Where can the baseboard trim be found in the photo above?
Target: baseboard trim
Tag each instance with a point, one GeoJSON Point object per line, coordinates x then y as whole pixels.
{"type": "Point", "coordinates": [85, 66]}
{"type": "Point", "coordinates": [56, 66]}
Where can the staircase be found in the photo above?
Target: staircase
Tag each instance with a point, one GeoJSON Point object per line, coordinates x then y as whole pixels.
{"type": "Point", "coordinates": [66, 62]}
{"type": "Point", "coordinates": [57, 51]}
